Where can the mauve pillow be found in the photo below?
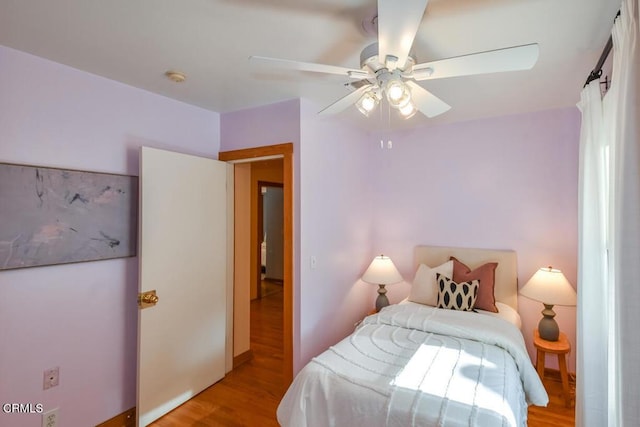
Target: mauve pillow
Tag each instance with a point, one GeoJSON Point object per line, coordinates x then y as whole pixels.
{"type": "Point", "coordinates": [486, 275]}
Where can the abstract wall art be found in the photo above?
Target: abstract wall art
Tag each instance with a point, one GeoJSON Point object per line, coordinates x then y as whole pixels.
{"type": "Point", "coordinates": [55, 216]}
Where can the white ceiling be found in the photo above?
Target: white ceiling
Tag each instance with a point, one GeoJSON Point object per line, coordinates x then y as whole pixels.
{"type": "Point", "coordinates": [136, 41]}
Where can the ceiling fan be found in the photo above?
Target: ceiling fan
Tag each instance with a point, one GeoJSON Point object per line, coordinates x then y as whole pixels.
{"type": "Point", "coordinates": [388, 68]}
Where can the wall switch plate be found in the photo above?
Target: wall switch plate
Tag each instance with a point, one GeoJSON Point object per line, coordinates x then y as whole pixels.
{"type": "Point", "coordinates": [313, 261]}
{"type": "Point", "coordinates": [51, 378]}
{"type": "Point", "coordinates": [50, 418]}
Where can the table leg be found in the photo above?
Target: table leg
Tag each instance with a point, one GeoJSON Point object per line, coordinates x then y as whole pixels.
{"type": "Point", "coordinates": [562, 363]}
{"type": "Point", "coordinates": [540, 364]}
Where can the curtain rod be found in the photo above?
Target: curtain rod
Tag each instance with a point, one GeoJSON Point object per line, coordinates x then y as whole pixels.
{"type": "Point", "coordinates": [597, 70]}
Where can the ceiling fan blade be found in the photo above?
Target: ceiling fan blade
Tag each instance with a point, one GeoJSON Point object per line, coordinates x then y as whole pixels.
{"type": "Point", "coordinates": [493, 61]}
{"type": "Point", "coordinates": [309, 66]}
{"type": "Point", "coordinates": [345, 101]}
{"type": "Point", "coordinates": [398, 23]}
{"type": "Point", "coordinates": [426, 102]}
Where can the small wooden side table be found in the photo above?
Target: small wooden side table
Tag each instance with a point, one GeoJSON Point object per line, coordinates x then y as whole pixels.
{"type": "Point", "coordinates": [561, 347]}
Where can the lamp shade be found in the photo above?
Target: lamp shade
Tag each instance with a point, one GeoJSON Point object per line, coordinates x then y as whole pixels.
{"type": "Point", "coordinates": [549, 286]}
{"type": "Point", "coordinates": [382, 271]}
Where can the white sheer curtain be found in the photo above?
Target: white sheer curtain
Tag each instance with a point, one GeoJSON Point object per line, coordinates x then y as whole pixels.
{"type": "Point", "coordinates": [625, 220]}
{"type": "Point", "coordinates": [592, 321]}
{"type": "Point", "coordinates": [608, 369]}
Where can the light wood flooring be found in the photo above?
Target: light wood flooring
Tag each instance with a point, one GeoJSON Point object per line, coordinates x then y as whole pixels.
{"type": "Point", "coordinates": [555, 414]}
{"type": "Point", "coordinates": [249, 395]}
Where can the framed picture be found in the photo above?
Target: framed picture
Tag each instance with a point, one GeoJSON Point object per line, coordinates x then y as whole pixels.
{"type": "Point", "coordinates": [54, 216]}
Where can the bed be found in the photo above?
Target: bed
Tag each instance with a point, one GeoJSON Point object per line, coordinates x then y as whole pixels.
{"type": "Point", "coordinates": [413, 364]}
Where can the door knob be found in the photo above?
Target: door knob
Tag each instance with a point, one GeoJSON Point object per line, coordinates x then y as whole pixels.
{"type": "Point", "coordinates": [147, 299]}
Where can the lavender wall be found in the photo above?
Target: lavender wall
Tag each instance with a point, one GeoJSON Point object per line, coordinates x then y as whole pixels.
{"type": "Point", "coordinates": [255, 127]}
{"type": "Point", "coordinates": [337, 229]}
{"type": "Point", "coordinates": [504, 183]}
{"type": "Point", "coordinates": [80, 317]}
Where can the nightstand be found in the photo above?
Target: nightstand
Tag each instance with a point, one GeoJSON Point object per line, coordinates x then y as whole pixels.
{"type": "Point", "coordinates": [373, 311]}
{"type": "Point", "coordinates": [561, 347]}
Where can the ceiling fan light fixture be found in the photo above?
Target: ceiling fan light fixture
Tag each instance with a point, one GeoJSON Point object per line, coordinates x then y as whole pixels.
{"type": "Point", "coordinates": [398, 93]}
{"type": "Point", "coordinates": [395, 90]}
{"type": "Point", "coordinates": [408, 110]}
{"type": "Point", "coordinates": [362, 110]}
{"type": "Point", "coordinates": [367, 103]}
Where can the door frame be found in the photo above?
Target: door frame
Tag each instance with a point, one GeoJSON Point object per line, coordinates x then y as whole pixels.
{"type": "Point", "coordinates": [284, 151]}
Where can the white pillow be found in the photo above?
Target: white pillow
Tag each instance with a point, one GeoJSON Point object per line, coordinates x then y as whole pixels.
{"type": "Point", "coordinates": [424, 289]}
{"type": "Point", "coordinates": [505, 312]}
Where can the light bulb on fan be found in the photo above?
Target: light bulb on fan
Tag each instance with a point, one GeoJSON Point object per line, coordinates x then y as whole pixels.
{"type": "Point", "coordinates": [398, 93]}
{"type": "Point", "coordinates": [395, 90]}
{"type": "Point", "coordinates": [408, 110]}
{"type": "Point", "coordinates": [367, 103]}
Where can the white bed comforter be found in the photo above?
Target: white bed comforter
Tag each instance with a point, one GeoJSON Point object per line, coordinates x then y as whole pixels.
{"type": "Point", "coordinates": [414, 365]}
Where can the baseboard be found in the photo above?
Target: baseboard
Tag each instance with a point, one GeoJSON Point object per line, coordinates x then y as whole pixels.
{"type": "Point", "coordinates": [242, 358]}
{"type": "Point", "coordinates": [125, 419]}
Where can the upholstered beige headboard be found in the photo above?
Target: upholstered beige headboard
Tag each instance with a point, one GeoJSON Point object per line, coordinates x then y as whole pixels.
{"type": "Point", "coordinates": [506, 286]}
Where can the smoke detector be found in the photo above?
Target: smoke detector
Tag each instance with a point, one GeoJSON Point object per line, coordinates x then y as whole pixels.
{"type": "Point", "coordinates": [175, 76]}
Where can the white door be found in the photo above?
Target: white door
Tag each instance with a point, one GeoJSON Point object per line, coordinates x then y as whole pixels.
{"type": "Point", "coordinates": [182, 255]}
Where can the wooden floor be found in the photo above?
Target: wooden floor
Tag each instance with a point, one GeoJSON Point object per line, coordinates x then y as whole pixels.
{"type": "Point", "coordinates": [555, 414]}
{"type": "Point", "coordinates": [249, 395]}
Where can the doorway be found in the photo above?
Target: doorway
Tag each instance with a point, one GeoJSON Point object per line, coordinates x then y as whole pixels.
{"type": "Point", "coordinates": [270, 203]}
{"type": "Point", "coordinates": [285, 153]}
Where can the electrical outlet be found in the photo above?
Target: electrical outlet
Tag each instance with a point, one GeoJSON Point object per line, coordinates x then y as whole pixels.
{"type": "Point", "coordinates": [50, 418]}
{"type": "Point", "coordinates": [51, 377]}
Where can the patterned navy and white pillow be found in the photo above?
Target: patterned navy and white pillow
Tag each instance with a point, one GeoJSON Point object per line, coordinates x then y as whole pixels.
{"type": "Point", "coordinates": [456, 296]}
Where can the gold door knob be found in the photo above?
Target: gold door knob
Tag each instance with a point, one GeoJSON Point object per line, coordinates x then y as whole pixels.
{"type": "Point", "coordinates": [148, 299]}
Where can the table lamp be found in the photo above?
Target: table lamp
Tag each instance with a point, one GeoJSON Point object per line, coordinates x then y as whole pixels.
{"type": "Point", "coordinates": [382, 272]}
{"type": "Point", "coordinates": [550, 287]}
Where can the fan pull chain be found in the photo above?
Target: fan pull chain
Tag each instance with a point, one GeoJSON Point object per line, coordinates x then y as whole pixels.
{"type": "Point", "coordinates": [389, 143]}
